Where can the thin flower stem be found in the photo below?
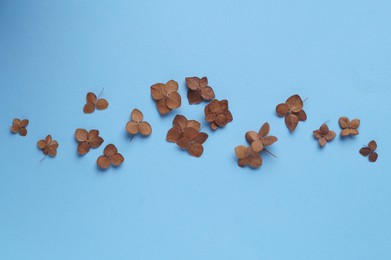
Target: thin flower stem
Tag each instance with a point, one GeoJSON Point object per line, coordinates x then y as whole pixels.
{"type": "Point", "coordinates": [101, 92]}
{"type": "Point", "coordinates": [266, 150]}
{"type": "Point", "coordinates": [42, 158]}
{"type": "Point", "coordinates": [305, 99]}
{"type": "Point", "coordinates": [131, 138]}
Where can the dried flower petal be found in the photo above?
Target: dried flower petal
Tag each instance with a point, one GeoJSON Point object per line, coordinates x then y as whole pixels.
{"type": "Point", "coordinates": [217, 113]}
{"type": "Point", "coordinates": [103, 162]}
{"type": "Point", "coordinates": [137, 125]}
{"type": "Point", "coordinates": [348, 127]}
{"type": "Point", "coordinates": [111, 156]}
{"type": "Point", "coordinates": [87, 140]}
{"type": "Point", "coordinates": [291, 121]}
{"type": "Point", "coordinates": [19, 126]}
{"type": "Point", "coordinates": [294, 103]}
{"type": "Point", "coordinates": [93, 102]}
{"type": "Point", "coordinates": [373, 157]}
{"type": "Point", "coordinates": [365, 151]}
{"type": "Point", "coordinates": [48, 146]}
{"type": "Point", "coordinates": [324, 135]}
{"type": "Point", "coordinates": [198, 90]}
{"type": "Point", "coordinates": [293, 111]}
{"type": "Point", "coordinates": [166, 96]}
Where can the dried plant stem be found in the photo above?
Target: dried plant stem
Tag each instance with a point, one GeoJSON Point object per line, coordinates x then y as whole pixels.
{"type": "Point", "coordinates": [42, 158]}
{"type": "Point", "coordinates": [101, 92]}
{"type": "Point", "coordinates": [131, 138]}
{"type": "Point", "coordinates": [266, 150]}
{"type": "Point", "coordinates": [305, 99]}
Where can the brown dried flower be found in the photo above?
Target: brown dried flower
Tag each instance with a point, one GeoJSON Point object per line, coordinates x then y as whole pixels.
{"type": "Point", "coordinates": [137, 124]}
{"type": "Point", "coordinates": [348, 127]}
{"type": "Point", "coordinates": [166, 96]}
{"type": "Point", "coordinates": [179, 124]}
{"type": "Point", "coordinates": [324, 134]}
{"type": "Point", "coordinates": [198, 90]}
{"type": "Point", "coordinates": [261, 139]}
{"type": "Point", "coordinates": [191, 140]}
{"type": "Point", "coordinates": [87, 140]}
{"type": "Point", "coordinates": [19, 126]}
{"type": "Point", "coordinates": [246, 156]}
{"type": "Point", "coordinates": [110, 156]}
{"type": "Point", "coordinates": [370, 150]}
{"type": "Point", "coordinates": [94, 102]}
{"type": "Point", "coordinates": [217, 113]}
{"type": "Point", "coordinates": [48, 146]}
{"type": "Point", "coordinates": [293, 111]}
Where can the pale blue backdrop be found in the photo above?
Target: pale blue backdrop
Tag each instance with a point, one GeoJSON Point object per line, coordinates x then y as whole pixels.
{"type": "Point", "coordinates": [163, 204]}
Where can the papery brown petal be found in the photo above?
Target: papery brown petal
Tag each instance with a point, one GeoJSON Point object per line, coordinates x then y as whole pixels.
{"type": "Point", "coordinates": [282, 109]}
{"type": "Point", "coordinates": [204, 82]}
{"type": "Point", "coordinates": [16, 122]}
{"type": "Point", "coordinates": [52, 151]}
{"type": "Point", "coordinates": [24, 123]}
{"type": "Point", "coordinates": [251, 136]}
{"type": "Point", "coordinates": [322, 141]}
{"type": "Point", "coordinates": [207, 93]}
{"type": "Point", "coordinates": [41, 144]}
{"type": "Point", "coordinates": [194, 124]}
{"type": "Point", "coordinates": [295, 103]}
{"type": "Point", "coordinates": [190, 133]}
{"type": "Point", "coordinates": [194, 96]}
{"type": "Point", "coordinates": [117, 159]}
{"type": "Point", "coordinates": [224, 105]}
{"type": "Point", "coordinates": [53, 144]}
{"type": "Point", "coordinates": [221, 120]}
{"type": "Point", "coordinates": [91, 98]}
{"type": "Point", "coordinates": [96, 141]}
{"type": "Point", "coordinates": [83, 148]}
{"type": "Point", "coordinates": [89, 108]}
{"type": "Point", "coordinates": [132, 127]}
{"type": "Point", "coordinates": [103, 162]}
{"type": "Point", "coordinates": [81, 135]}
{"type": "Point", "coordinates": [214, 106]}
{"type": "Point", "coordinates": [45, 150]}
{"type": "Point", "coordinates": [330, 135]}
{"type": "Point", "coordinates": [193, 83]}
{"type": "Point", "coordinates": [173, 135]}
{"type": "Point", "coordinates": [301, 115]}
{"type": "Point", "coordinates": [102, 104]}
{"type": "Point", "coordinates": [173, 100]}
{"type": "Point", "coordinates": [213, 126]}
{"type": "Point", "coordinates": [355, 123]}
{"type": "Point", "coordinates": [269, 140]}
{"type": "Point", "coordinates": [145, 128]}
{"type": "Point", "coordinates": [196, 150]}
{"type": "Point", "coordinates": [171, 86]}
{"type": "Point", "coordinates": [162, 106]}
{"type": "Point", "coordinates": [257, 146]}
{"type": "Point", "coordinates": [373, 157]}
{"type": "Point", "coordinates": [228, 116]}
{"type": "Point", "coordinates": [317, 134]}
{"type": "Point", "coordinates": [265, 129]}
{"type": "Point", "coordinates": [210, 117]}
{"type": "Point", "coordinates": [183, 143]}
{"type": "Point", "coordinates": [255, 162]}
{"type": "Point", "coordinates": [324, 129]}
{"type": "Point", "coordinates": [48, 139]}
{"type": "Point", "coordinates": [93, 133]}
{"type": "Point", "coordinates": [372, 145]}
{"type": "Point", "coordinates": [291, 121]}
{"type": "Point", "coordinates": [344, 122]}
{"type": "Point", "coordinates": [110, 150]}
{"type": "Point", "coordinates": [15, 129]}
{"type": "Point", "coordinates": [157, 91]}
{"type": "Point", "coordinates": [23, 131]}
{"type": "Point", "coordinates": [243, 162]}
{"type": "Point", "coordinates": [353, 131]}
{"type": "Point", "coordinates": [137, 115]}
{"type": "Point", "coordinates": [241, 152]}
{"type": "Point", "coordinates": [180, 121]}
{"type": "Point", "coordinates": [365, 151]}
{"type": "Point", "coordinates": [201, 138]}
{"type": "Point", "coordinates": [345, 132]}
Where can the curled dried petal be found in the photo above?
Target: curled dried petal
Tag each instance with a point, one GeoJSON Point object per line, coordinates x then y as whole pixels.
{"type": "Point", "coordinates": [173, 100]}
{"type": "Point", "coordinates": [201, 138]}
{"type": "Point", "coordinates": [194, 124]}
{"type": "Point", "coordinates": [295, 103]}
{"type": "Point", "coordinates": [372, 145]}
{"type": "Point", "coordinates": [162, 106]}
{"type": "Point", "coordinates": [83, 148]}
{"type": "Point", "coordinates": [207, 93]}
{"type": "Point", "coordinates": [24, 123]}
{"type": "Point", "coordinates": [241, 152]}
{"type": "Point", "coordinates": [81, 135]}
{"type": "Point", "coordinates": [194, 96]}
{"type": "Point", "coordinates": [269, 140]}
{"type": "Point", "coordinates": [324, 129]}
{"type": "Point", "coordinates": [110, 150]}
{"type": "Point", "coordinates": [171, 86]}
{"type": "Point", "coordinates": [345, 132]}
{"type": "Point", "coordinates": [365, 151]}
{"type": "Point", "coordinates": [95, 141]}
{"type": "Point", "coordinates": [373, 157]}
{"type": "Point", "coordinates": [354, 131]}
{"type": "Point", "coordinates": [103, 162]}
{"type": "Point", "coordinates": [282, 109]}
{"type": "Point", "coordinates": [89, 108]}
{"type": "Point", "coordinates": [183, 143]}
{"type": "Point", "coordinates": [157, 91]}
{"type": "Point", "coordinates": [132, 127]}
{"type": "Point", "coordinates": [196, 150]}
{"type": "Point", "coordinates": [322, 141]}
{"type": "Point", "coordinates": [257, 146]}
{"type": "Point", "coordinates": [117, 159]}
{"type": "Point", "coordinates": [265, 129]}
{"type": "Point", "coordinates": [180, 121]}
{"type": "Point", "coordinates": [91, 98]}
{"type": "Point", "coordinates": [344, 122]}
{"type": "Point", "coordinates": [291, 121]}
{"type": "Point", "coordinates": [23, 131]}
{"type": "Point", "coordinates": [145, 128]}
{"type": "Point", "coordinates": [193, 83]}
{"type": "Point", "coordinates": [330, 135]}
{"type": "Point", "coordinates": [301, 115]}
{"type": "Point", "coordinates": [137, 115]}
{"type": "Point", "coordinates": [102, 104]}
{"type": "Point", "coordinates": [355, 123]}
{"type": "Point", "coordinates": [251, 136]}
{"type": "Point", "coordinates": [173, 135]}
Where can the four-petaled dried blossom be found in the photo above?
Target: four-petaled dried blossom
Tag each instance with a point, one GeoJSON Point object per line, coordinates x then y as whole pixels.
{"type": "Point", "coordinates": [246, 156]}
{"type": "Point", "coordinates": [110, 156]}
{"type": "Point", "coordinates": [293, 111]}
{"type": "Point", "coordinates": [217, 113]}
{"type": "Point", "coordinates": [192, 140]}
{"type": "Point", "coordinates": [349, 127]}
{"type": "Point", "coordinates": [179, 124]}
{"type": "Point", "coordinates": [370, 150]}
{"type": "Point", "coordinates": [19, 126]}
{"type": "Point", "coordinates": [87, 140]}
{"type": "Point", "coordinates": [261, 139]}
{"type": "Point", "coordinates": [48, 146]}
{"type": "Point", "coordinates": [323, 134]}
{"type": "Point", "coordinates": [198, 90]}
{"type": "Point", "coordinates": [166, 96]}
{"type": "Point", "coordinates": [93, 102]}
{"type": "Point", "coordinates": [137, 124]}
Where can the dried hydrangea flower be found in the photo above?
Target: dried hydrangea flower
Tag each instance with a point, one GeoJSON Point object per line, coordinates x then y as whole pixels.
{"type": "Point", "coordinates": [217, 113]}
{"type": "Point", "coordinates": [293, 111]}
{"type": "Point", "coordinates": [87, 140]}
{"type": "Point", "coordinates": [370, 150]}
{"type": "Point", "coordinates": [198, 90]}
{"type": "Point", "coordinates": [166, 96]}
{"type": "Point", "coordinates": [19, 126]}
{"type": "Point", "coordinates": [348, 127]}
{"type": "Point", "coordinates": [93, 102]}
{"type": "Point", "coordinates": [137, 124]}
{"type": "Point", "coordinates": [261, 139]}
{"type": "Point", "coordinates": [48, 146]}
{"type": "Point", "coordinates": [179, 124]}
{"type": "Point", "coordinates": [323, 134]}
{"type": "Point", "coordinates": [110, 156]}
{"type": "Point", "coordinates": [247, 157]}
{"type": "Point", "coordinates": [192, 141]}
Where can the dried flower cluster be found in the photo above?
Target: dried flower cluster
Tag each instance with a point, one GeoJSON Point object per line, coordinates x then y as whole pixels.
{"type": "Point", "coordinates": [137, 124]}
{"type": "Point", "coordinates": [87, 140]}
{"type": "Point", "coordinates": [370, 151]}
{"type": "Point", "coordinates": [19, 126]}
{"type": "Point", "coordinates": [110, 157]}
{"type": "Point", "coordinates": [48, 146]}
{"type": "Point", "coordinates": [166, 96]}
{"type": "Point", "coordinates": [258, 141]}
{"type": "Point", "coordinates": [349, 127]}
{"type": "Point", "coordinates": [217, 113]}
{"type": "Point", "coordinates": [293, 111]}
{"type": "Point", "coordinates": [93, 102]}
{"type": "Point", "coordinates": [186, 134]}
{"type": "Point", "coordinates": [198, 90]}
{"type": "Point", "coordinates": [324, 134]}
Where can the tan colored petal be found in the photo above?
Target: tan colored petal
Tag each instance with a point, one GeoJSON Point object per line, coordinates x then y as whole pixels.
{"type": "Point", "coordinates": [365, 151]}
{"type": "Point", "coordinates": [137, 115]}
{"type": "Point", "coordinates": [257, 146]}
{"type": "Point", "coordinates": [221, 120]}
{"type": "Point", "coordinates": [102, 104]}
{"type": "Point", "coordinates": [53, 144]}
{"type": "Point", "coordinates": [201, 138]}
{"type": "Point", "coordinates": [48, 139]}
{"type": "Point", "coordinates": [52, 151]}
{"type": "Point", "coordinates": [194, 124]}
{"type": "Point", "coordinates": [251, 136]}
{"type": "Point", "coordinates": [282, 109]}
{"type": "Point", "coordinates": [344, 122]}
{"type": "Point", "coordinates": [345, 132]}
{"type": "Point", "coordinates": [103, 162]}
{"type": "Point", "coordinates": [213, 126]}
{"type": "Point", "coordinates": [255, 162]}
{"type": "Point", "coordinates": [243, 162]}
{"type": "Point", "coordinates": [162, 106]}
{"type": "Point", "coordinates": [207, 93]}
{"type": "Point", "coordinates": [132, 127]}
{"type": "Point", "coordinates": [291, 121]}
{"type": "Point", "coordinates": [117, 159]}
{"type": "Point", "coordinates": [145, 128]}
{"type": "Point", "coordinates": [41, 144]}
{"type": "Point", "coordinates": [228, 116]}
{"type": "Point", "coordinates": [180, 121]}
{"type": "Point", "coordinates": [190, 133]}
{"type": "Point", "coordinates": [16, 122]}
{"type": "Point", "coordinates": [215, 106]}
{"type": "Point", "coordinates": [89, 108]}
{"type": "Point", "coordinates": [210, 117]}
{"type": "Point", "coordinates": [317, 134]}
{"type": "Point", "coordinates": [196, 150]}
{"type": "Point", "coordinates": [295, 103]}
{"type": "Point", "coordinates": [322, 141]}
{"type": "Point", "coordinates": [110, 150]}
{"type": "Point", "coordinates": [194, 96]}
{"type": "Point", "coordinates": [173, 100]}
{"type": "Point", "coordinates": [24, 123]}
{"type": "Point", "coordinates": [330, 135]}
{"type": "Point", "coordinates": [193, 83]}
{"type": "Point", "coordinates": [204, 82]}
{"type": "Point", "coordinates": [171, 86]}
{"type": "Point", "coordinates": [355, 123]}
{"type": "Point", "coordinates": [23, 131]}
{"type": "Point", "coordinates": [81, 135]}
{"type": "Point", "coordinates": [324, 129]}
{"type": "Point", "coordinates": [93, 133]}
{"type": "Point", "coordinates": [301, 115]}
{"type": "Point", "coordinates": [173, 135]}
{"type": "Point", "coordinates": [372, 145]}
{"type": "Point", "coordinates": [15, 129]}
{"type": "Point", "coordinates": [183, 143]}
{"type": "Point", "coordinates": [353, 131]}
{"type": "Point", "coordinates": [264, 130]}
{"type": "Point", "coordinates": [224, 105]}
{"type": "Point", "coordinates": [96, 141]}
{"type": "Point", "coordinates": [157, 91]}
{"type": "Point", "coordinates": [269, 140]}
{"type": "Point", "coordinates": [241, 152]}
{"type": "Point", "coordinates": [91, 98]}
{"type": "Point", "coordinates": [373, 157]}
{"type": "Point", "coordinates": [83, 148]}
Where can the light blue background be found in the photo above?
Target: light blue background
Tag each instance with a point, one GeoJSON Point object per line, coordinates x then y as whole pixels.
{"type": "Point", "coordinates": [163, 204]}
